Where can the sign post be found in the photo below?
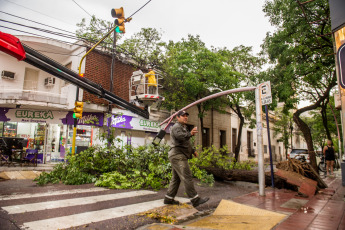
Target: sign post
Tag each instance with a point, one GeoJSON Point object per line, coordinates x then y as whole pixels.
{"type": "Point", "coordinates": [266, 99]}
{"type": "Point", "coordinates": [259, 141]}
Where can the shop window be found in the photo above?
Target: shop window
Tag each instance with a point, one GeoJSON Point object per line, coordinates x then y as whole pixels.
{"type": "Point", "coordinates": [10, 129]}
{"type": "Point", "coordinates": [30, 79]}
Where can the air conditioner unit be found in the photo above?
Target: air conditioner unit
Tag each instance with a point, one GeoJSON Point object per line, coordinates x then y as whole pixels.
{"type": "Point", "coordinates": [7, 74]}
{"type": "Point", "coordinates": [49, 81]}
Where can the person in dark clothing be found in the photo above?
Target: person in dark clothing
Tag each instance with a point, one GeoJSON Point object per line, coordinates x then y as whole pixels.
{"type": "Point", "coordinates": [328, 151]}
{"type": "Point", "coordinates": [182, 150]}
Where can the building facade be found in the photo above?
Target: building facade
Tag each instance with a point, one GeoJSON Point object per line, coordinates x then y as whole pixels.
{"type": "Point", "coordinates": [39, 107]}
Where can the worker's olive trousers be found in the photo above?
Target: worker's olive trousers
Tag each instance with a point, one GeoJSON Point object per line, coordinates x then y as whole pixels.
{"type": "Point", "coordinates": [181, 173]}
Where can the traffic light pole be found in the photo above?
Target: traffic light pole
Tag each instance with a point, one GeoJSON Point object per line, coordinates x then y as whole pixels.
{"type": "Point", "coordinates": [75, 124]}
{"type": "Point", "coordinates": [111, 82]}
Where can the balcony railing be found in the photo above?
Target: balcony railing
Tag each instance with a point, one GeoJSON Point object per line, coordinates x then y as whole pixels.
{"type": "Point", "coordinates": [29, 95]}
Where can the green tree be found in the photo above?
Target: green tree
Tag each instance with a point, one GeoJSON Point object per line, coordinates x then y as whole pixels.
{"type": "Point", "coordinates": [244, 66]}
{"type": "Point", "coordinates": [282, 127]}
{"type": "Point", "coordinates": [145, 47]}
{"type": "Point", "coordinates": [95, 30]}
{"type": "Point", "coordinates": [300, 52]}
{"type": "Point", "coordinates": [191, 72]}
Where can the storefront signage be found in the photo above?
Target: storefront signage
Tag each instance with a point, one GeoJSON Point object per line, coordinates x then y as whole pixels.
{"type": "Point", "coordinates": [128, 122]}
{"type": "Point", "coordinates": [49, 117]}
{"type": "Point", "coordinates": [31, 116]}
{"type": "Point", "coordinates": [27, 114]}
{"type": "Point", "coordinates": [95, 119]}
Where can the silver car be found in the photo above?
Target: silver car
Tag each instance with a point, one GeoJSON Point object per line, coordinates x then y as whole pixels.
{"type": "Point", "coordinates": [299, 154]}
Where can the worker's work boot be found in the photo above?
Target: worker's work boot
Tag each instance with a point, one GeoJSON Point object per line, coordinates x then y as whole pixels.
{"type": "Point", "coordinates": [170, 201]}
{"type": "Point", "coordinates": [198, 201]}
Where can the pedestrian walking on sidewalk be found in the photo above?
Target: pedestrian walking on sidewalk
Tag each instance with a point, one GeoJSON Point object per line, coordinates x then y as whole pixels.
{"type": "Point", "coordinates": [328, 152]}
{"type": "Point", "coordinates": [182, 150]}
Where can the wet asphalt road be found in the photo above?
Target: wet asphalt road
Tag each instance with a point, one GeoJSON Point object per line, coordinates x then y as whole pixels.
{"type": "Point", "coordinates": [221, 190]}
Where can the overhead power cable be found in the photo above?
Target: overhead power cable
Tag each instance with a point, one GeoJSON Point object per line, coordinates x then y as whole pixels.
{"type": "Point", "coordinates": [37, 22]}
{"type": "Point", "coordinates": [40, 29]}
{"type": "Point", "coordinates": [38, 12]}
{"type": "Point", "coordinates": [122, 50]}
{"type": "Point", "coordinates": [82, 8]}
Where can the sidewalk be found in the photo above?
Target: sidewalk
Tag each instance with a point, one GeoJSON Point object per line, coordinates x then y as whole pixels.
{"type": "Point", "coordinates": [325, 210]}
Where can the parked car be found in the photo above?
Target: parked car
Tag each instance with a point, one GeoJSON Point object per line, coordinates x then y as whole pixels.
{"type": "Point", "coordinates": [299, 154]}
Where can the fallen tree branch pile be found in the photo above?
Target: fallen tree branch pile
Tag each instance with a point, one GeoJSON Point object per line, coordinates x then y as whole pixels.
{"type": "Point", "coordinates": [302, 168]}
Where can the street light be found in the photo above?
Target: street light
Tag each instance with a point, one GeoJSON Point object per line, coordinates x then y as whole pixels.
{"type": "Point", "coordinates": [159, 137]}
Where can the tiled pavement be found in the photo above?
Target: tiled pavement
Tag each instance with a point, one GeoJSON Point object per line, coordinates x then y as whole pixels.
{"type": "Point", "coordinates": [324, 211]}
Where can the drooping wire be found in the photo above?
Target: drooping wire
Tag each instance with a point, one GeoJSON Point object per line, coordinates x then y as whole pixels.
{"type": "Point", "coordinates": [140, 8]}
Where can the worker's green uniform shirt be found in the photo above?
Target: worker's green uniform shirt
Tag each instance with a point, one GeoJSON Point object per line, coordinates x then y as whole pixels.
{"type": "Point", "coordinates": [181, 150]}
{"type": "Point", "coordinates": [180, 141]}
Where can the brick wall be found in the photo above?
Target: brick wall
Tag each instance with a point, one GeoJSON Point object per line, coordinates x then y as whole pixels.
{"type": "Point", "coordinates": [97, 69]}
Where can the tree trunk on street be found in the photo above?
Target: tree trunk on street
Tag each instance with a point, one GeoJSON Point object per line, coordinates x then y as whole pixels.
{"type": "Point", "coordinates": [308, 138]}
{"type": "Point", "coordinates": [245, 175]}
{"type": "Point", "coordinates": [305, 128]}
{"type": "Point", "coordinates": [324, 118]}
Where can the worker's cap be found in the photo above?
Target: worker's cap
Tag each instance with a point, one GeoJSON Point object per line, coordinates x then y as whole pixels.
{"type": "Point", "coordinates": [181, 113]}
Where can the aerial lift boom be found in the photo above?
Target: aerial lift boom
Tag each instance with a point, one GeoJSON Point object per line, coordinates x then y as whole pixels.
{"type": "Point", "coordinates": [12, 46]}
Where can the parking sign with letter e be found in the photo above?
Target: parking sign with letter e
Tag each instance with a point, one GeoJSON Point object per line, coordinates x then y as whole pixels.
{"type": "Point", "coordinates": [265, 93]}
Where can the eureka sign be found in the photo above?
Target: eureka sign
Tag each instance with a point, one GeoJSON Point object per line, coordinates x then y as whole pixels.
{"type": "Point", "coordinates": [128, 122]}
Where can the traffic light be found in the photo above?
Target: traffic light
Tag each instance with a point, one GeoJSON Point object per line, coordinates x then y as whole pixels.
{"type": "Point", "coordinates": [78, 109]}
{"type": "Point", "coordinates": [120, 21]}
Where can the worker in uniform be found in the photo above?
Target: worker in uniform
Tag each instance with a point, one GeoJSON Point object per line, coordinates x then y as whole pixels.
{"type": "Point", "coordinates": [182, 150]}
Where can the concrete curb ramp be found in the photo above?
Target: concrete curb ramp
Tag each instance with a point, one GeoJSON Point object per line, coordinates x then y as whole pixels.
{"type": "Point", "coordinates": [232, 215]}
{"type": "Point", "coordinates": [19, 175]}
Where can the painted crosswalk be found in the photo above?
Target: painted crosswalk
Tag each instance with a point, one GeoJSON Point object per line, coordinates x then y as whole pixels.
{"type": "Point", "coordinates": [71, 202]}
{"type": "Point", "coordinates": [21, 205]}
{"type": "Point", "coordinates": [51, 193]}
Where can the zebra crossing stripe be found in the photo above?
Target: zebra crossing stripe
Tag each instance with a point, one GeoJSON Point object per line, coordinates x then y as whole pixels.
{"type": "Point", "coordinates": [14, 209]}
{"type": "Point", "coordinates": [52, 193]}
{"type": "Point", "coordinates": [94, 216]}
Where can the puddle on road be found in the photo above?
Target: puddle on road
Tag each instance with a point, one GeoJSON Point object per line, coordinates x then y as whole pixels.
{"type": "Point", "coordinates": [307, 210]}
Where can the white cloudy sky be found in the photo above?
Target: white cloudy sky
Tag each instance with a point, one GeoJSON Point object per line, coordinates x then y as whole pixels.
{"type": "Point", "coordinates": [220, 23]}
